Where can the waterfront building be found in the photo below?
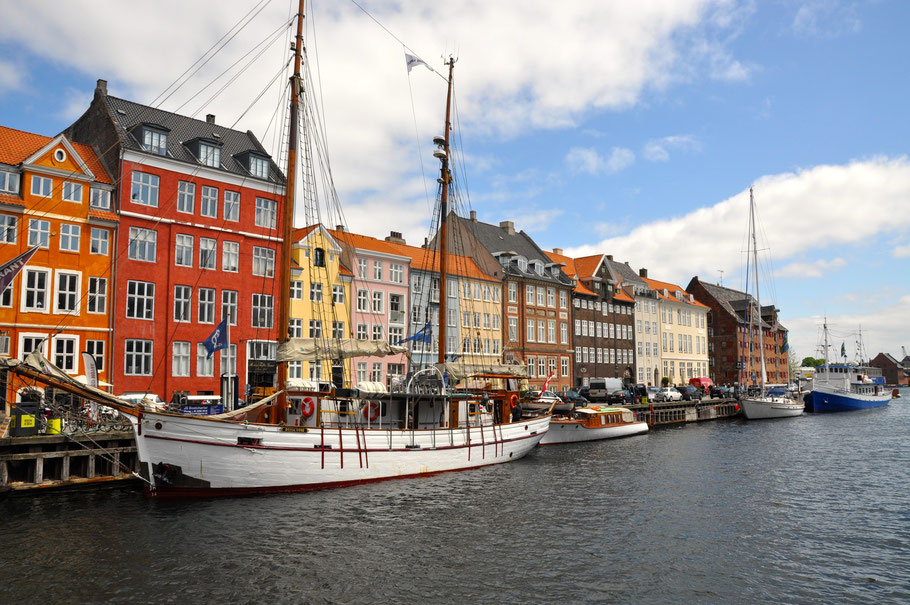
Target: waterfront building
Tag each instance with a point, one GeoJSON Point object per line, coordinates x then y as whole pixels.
{"type": "Point", "coordinates": [683, 332]}
{"type": "Point", "coordinates": [319, 300]}
{"type": "Point", "coordinates": [55, 194]}
{"type": "Point", "coordinates": [602, 320]}
{"type": "Point", "coordinates": [536, 297]}
{"type": "Point", "coordinates": [378, 301]}
{"type": "Point", "coordinates": [199, 210]}
{"type": "Point", "coordinates": [645, 319]}
{"type": "Point", "coordinates": [893, 371]}
{"type": "Point", "coordinates": [734, 353]}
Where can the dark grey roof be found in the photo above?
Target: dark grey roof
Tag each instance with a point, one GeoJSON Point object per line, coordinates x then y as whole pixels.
{"type": "Point", "coordinates": [736, 303]}
{"type": "Point", "coordinates": [127, 115]}
{"type": "Point", "coordinates": [625, 274]}
{"type": "Point", "coordinates": [496, 240]}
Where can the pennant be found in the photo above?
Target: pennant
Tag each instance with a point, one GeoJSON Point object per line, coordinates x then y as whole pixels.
{"type": "Point", "coordinates": [843, 350]}
{"type": "Point", "coordinates": [11, 269]}
{"type": "Point", "coordinates": [547, 382]}
{"type": "Point", "coordinates": [425, 334]}
{"type": "Point", "coordinates": [786, 346]}
{"type": "Point", "coordinates": [412, 61]}
{"type": "Point", "coordinates": [91, 369]}
{"type": "Point", "coordinates": [217, 340]}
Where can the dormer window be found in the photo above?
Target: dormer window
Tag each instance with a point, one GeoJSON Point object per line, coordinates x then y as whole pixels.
{"type": "Point", "coordinates": [259, 167]}
{"type": "Point", "coordinates": [9, 182]}
{"type": "Point", "coordinates": [210, 154]}
{"type": "Point", "coordinates": [154, 139]}
{"type": "Point", "coordinates": [522, 263]}
{"type": "Point", "coordinates": [101, 198]}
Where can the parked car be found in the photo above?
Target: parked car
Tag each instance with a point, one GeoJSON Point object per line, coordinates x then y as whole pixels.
{"type": "Point", "coordinates": [600, 388]}
{"type": "Point", "coordinates": [639, 391]}
{"type": "Point", "coordinates": [620, 397]}
{"type": "Point", "coordinates": [690, 393]}
{"type": "Point", "coordinates": [546, 396]}
{"type": "Point", "coordinates": [585, 392]}
{"type": "Point", "coordinates": [719, 392]}
{"type": "Point", "coordinates": [671, 394]}
{"type": "Point", "coordinates": [654, 395]}
{"type": "Point", "coordinates": [572, 397]}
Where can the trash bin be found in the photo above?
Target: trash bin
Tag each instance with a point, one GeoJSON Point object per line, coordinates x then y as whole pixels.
{"type": "Point", "coordinates": [24, 420]}
{"type": "Point", "coordinates": [53, 426]}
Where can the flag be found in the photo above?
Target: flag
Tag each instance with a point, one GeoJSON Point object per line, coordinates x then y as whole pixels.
{"type": "Point", "coordinates": [547, 382]}
{"type": "Point", "coordinates": [843, 350]}
{"type": "Point", "coordinates": [425, 334]}
{"type": "Point", "coordinates": [10, 269]}
{"type": "Point", "coordinates": [91, 370]}
{"type": "Point", "coordinates": [217, 340]}
{"type": "Point", "coordinates": [412, 61]}
{"type": "Point", "coordinates": [786, 346]}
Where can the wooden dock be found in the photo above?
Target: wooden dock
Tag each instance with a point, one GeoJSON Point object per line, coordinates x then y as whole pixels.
{"type": "Point", "coordinates": [676, 412]}
{"type": "Point", "coordinates": [53, 461]}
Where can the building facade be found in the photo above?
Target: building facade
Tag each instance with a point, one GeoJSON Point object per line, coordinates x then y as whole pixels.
{"type": "Point", "coordinates": [683, 333]}
{"type": "Point", "coordinates": [894, 372]}
{"type": "Point", "coordinates": [200, 209]}
{"type": "Point", "coordinates": [55, 195]}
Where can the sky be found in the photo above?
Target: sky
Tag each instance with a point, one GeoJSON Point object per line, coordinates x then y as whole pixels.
{"type": "Point", "coordinates": [627, 128]}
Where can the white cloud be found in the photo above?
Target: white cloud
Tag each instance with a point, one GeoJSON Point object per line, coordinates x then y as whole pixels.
{"type": "Point", "coordinates": [809, 270]}
{"type": "Point", "coordinates": [826, 18]}
{"type": "Point", "coordinates": [11, 76]}
{"type": "Point", "coordinates": [809, 210]}
{"type": "Point", "coordinates": [658, 150]}
{"type": "Point", "coordinates": [586, 159]}
{"type": "Point", "coordinates": [535, 220]}
{"type": "Point", "coordinates": [901, 251]}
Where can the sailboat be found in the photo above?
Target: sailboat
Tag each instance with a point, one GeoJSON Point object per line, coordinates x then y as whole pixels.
{"type": "Point", "coordinates": [843, 388]}
{"type": "Point", "coordinates": [763, 405]}
{"type": "Point", "coordinates": [340, 436]}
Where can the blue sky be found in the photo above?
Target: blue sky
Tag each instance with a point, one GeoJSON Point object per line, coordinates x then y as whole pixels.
{"type": "Point", "coordinates": [624, 129]}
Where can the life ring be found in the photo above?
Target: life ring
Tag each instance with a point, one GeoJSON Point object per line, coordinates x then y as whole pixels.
{"type": "Point", "coordinates": [372, 410]}
{"type": "Point", "coordinates": [307, 407]}
{"type": "Point", "coordinates": [513, 400]}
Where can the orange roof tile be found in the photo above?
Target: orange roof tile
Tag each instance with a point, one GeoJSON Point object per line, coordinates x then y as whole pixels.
{"type": "Point", "coordinates": [106, 215]}
{"type": "Point", "coordinates": [658, 286]}
{"type": "Point", "coordinates": [587, 265]}
{"type": "Point", "coordinates": [571, 269]}
{"type": "Point", "coordinates": [16, 146]}
{"type": "Point", "coordinates": [621, 295]}
{"type": "Point", "coordinates": [10, 198]}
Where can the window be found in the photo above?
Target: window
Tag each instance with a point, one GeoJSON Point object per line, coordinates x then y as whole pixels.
{"type": "Point", "coordinates": [210, 155]}
{"type": "Point", "coordinates": [140, 300]}
{"type": "Point", "coordinates": [337, 329]}
{"type": "Point", "coordinates": [396, 273]}
{"type": "Point", "coordinates": [316, 292]}
{"type": "Point", "coordinates": [541, 296]}
{"type": "Point", "coordinates": [229, 360]}
{"type": "Point", "coordinates": [529, 332]}
{"type": "Point", "coordinates": [42, 186]}
{"type": "Point", "coordinates": [145, 189]}
{"type": "Point", "coordinates": [71, 192]}
{"type": "Point", "coordinates": [318, 257]}
{"type": "Point", "coordinates": [551, 297]}
{"type": "Point", "coordinates": [266, 213]}
{"type": "Point", "coordinates": [9, 225]}
{"type": "Point", "coordinates": [362, 271]}
{"type": "Point", "coordinates": [229, 306]}
{"type": "Point", "coordinates": [209, 202]}
{"type": "Point", "coordinates": [206, 306]}
{"type": "Point", "coordinates": [532, 367]}
{"type": "Point", "coordinates": [182, 301]}
{"type": "Point", "coordinates": [186, 202]}
{"type": "Point", "coordinates": [154, 141]}
{"type": "Point", "coordinates": [138, 357]}
{"type": "Point", "coordinates": [39, 233]}
{"type": "Point", "coordinates": [262, 311]}
{"type": "Point", "coordinates": [180, 359]}
{"type": "Point", "coordinates": [541, 366]}
{"type": "Point", "coordinates": [97, 295]}
{"type": "Point", "coordinates": [377, 302]}
{"type": "Point", "coordinates": [376, 373]}
{"type": "Point", "coordinates": [315, 328]}
{"type": "Point", "coordinates": [230, 256]}
{"type": "Point", "coordinates": [205, 365]}
{"type": "Point", "coordinates": [361, 331]}
{"type": "Point", "coordinates": [362, 301]}
{"type": "Point", "coordinates": [100, 241]}
{"type": "Point", "coordinates": [143, 244]}
{"type": "Point", "coordinates": [9, 181]}
{"type": "Point", "coordinates": [541, 331]}
{"type": "Point", "coordinates": [296, 289]}
{"type": "Point", "coordinates": [69, 237]}
{"type": "Point", "coordinates": [259, 167]}
{"type": "Point", "coordinates": [377, 331]}
{"type": "Point", "coordinates": [65, 353]}
{"type": "Point", "coordinates": [361, 371]}
{"type": "Point", "coordinates": [208, 253]}
{"type": "Point", "coordinates": [263, 261]}
{"type": "Point", "coordinates": [6, 299]}
{"type": "Point", "coordinates": [67, 299]}
{"type": "Point", "coordinates": [563, 302]}
{"type": "Point", "coordinates": [295, 328]}
{"type": "Point", "coordinates": [35, 291]}
{"type": "Point", "coordinates": [338, 295]}
{"type": "Point", "coordinates": [451, 317]}
{"type": "Point", "coordinates": [395, 335]}
{"type": "Point", "coordinates": [466, 319]}
{"type": "Point", "coordinates": [101, 199]}
{"type": "Point", "coordinates": [183, 250]}
{"type": "Point", "coordinates": [231, 206]}
{"type": "Point", "coordinates": [377, 270]}
{"type": "Point", "coordinates": [95, 348]}
{"type": "Point", "coordinates": [551, 331]}
{"type": "Point", "coordinates": [563, 333]}
{"type": "Point", "coordinates": [529, 295]}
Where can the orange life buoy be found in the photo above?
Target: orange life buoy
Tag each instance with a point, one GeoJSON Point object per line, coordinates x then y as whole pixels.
{"type": "Point", "coordinates": [373, 410]}
{"type": "Point", "coordinates": [513, 401]}
{"type": "Point", "coordinates": [307, 407]}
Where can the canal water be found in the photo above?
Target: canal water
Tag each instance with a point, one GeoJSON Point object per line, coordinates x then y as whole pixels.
{"type": "Point", "coordinates": [814, 509]}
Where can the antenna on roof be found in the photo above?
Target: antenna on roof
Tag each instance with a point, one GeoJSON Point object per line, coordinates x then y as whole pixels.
{"type": "Point", "coordinates": [721, 282]}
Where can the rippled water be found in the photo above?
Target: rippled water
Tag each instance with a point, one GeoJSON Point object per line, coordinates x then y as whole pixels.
{"type": "Point", "coordinates": [808, 510]}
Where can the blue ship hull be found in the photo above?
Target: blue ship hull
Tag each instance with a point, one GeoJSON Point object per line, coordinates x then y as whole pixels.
{"type": "Point", "coordinates": [822, 402]}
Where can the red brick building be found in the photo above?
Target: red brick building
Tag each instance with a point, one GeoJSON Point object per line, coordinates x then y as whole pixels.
{"type": "Point", "coordinates": [200, 209]}
{"type": "Point", "coordinates": [895, 372]}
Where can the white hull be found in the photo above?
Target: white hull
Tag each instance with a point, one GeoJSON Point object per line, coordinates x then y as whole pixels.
{"type": "Point", "coordinates": [573, 431]}
{"type": "Point", "coordinates": [760, 408]}
{"type": "Point", "coordinates": [186, 456]}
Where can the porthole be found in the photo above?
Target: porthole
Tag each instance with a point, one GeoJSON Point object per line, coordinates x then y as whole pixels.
{"type": "Point", "coordinates": [59, 155]}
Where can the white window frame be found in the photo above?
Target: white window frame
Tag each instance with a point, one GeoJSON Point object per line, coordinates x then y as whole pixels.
{"type": "Point", "coordinates": [96, 301]}
{"type": "Point", "coordinates": [231, 205]}
{"type": "Point", "coordinates": [72, 236]}
{"type": "Point", "coordinates": [208, 202]}
{"type": "Point", "coordinates": [46, 292]}
{"type": "Point", "coordinates": [230, 256]}
{"type": "Point", "coordinates": [100, 241]}
{"type": "Point", "coordinates": [39, 233]}
{"type": "Point", "coordinates": [142, 351]}
{"type": "Point", "coordinates": [186, 197]}
{"type": "Point", "coordinates": [180, 359]}
{"type": "Point", "coordinates": [145, 240]}
{"type": "Point", "coordinates": [144, 191]}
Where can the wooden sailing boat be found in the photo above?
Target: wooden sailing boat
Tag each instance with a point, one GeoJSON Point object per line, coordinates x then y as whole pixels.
{"type": "Point", "coordinates": [763, 405]}
{"type": "Point", "coordinates": [344, 436]}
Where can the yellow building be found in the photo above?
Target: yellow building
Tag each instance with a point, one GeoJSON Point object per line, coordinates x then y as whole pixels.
{"type": "Point", "coordinates": [319, 300]}
{"type": "Point", "coordinates": [683, 333]}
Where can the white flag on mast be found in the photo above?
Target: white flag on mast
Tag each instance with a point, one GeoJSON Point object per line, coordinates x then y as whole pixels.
{"type": "Point", "coordinates": [412, 61]}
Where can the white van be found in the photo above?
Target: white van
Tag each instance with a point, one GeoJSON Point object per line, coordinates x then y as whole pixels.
{"type": "Point", "coordinates": [598, 388]}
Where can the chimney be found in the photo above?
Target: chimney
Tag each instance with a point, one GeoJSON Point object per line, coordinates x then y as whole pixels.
{"type": "Point", "coordinates": [339, 228]}
{"type": "Point", "coordinates": [609, 257]}
{"type": "Point", "coordinates": [426, 243]}
{"type": "Point", "coordinates": [557, 251]}
{"type": "Point", "coordinates": [101, 88]}
{"type": "Point", "coordinates": [473, 216]}
{"type": "Point", "coordinates": [395, 237]}
{"type": "Point", "coordinates": [643, 272]}
{"type": "Point", "coordinates": [210, 118]}
{"type": "Point", "coordinates": [508, 227]}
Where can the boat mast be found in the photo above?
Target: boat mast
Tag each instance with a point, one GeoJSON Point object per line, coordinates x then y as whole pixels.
{"type": "Point", "coordinates": [445, 178]}
{"type": "Point", "coordinates": [761, 340]}
{"type": "Point", "coordinates": [284, 286]}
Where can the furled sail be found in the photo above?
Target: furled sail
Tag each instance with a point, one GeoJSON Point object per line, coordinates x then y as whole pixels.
{"type": "Point", "coordinates": [312, 349]}
{"type": "Point", "coordinates": [460, 371]}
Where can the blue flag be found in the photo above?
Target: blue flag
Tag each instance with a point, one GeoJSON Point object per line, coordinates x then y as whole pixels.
{"type": "Point", "coordinates": [425, 334]}
{"type": "Point", "coordinates": [786, 346]}
{"type": "Point", "coordinates": [217, 340]}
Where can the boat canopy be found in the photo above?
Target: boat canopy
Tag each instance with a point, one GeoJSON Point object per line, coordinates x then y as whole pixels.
{"type": "Point", "coordinates": [315, 349]}
{"type": "Point", "coordinates": [460, 371]}
{"type": "Point", "coordinates": [627, 415]}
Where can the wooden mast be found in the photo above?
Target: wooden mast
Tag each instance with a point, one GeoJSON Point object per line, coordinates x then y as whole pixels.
{"type": "Point", "coordinates": [445, 178]}
{"type": "Point", "coordinates": [284, 286]}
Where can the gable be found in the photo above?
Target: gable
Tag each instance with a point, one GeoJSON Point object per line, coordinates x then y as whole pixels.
{"type": "Point", "coordinates": [60, 155]}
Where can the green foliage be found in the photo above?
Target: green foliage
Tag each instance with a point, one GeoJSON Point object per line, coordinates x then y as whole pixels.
{"type": "Point", "coordinates": [812, 362]}
{"type": "Point", "coordinates": [665, 381]}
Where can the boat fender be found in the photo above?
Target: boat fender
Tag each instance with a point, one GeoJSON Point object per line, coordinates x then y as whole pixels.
{"type": "Point", "coordinates": [373, 410]}
{"type": "Point", "coordinates": [308, 407]}
{"type": "Point", "coordinates": [513, 401]}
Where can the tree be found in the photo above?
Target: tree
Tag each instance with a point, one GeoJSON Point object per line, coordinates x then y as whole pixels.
{"type": "Point", "coordinates": [812, 362]}
{"type": "Point", "coordinates": [665, 381]}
